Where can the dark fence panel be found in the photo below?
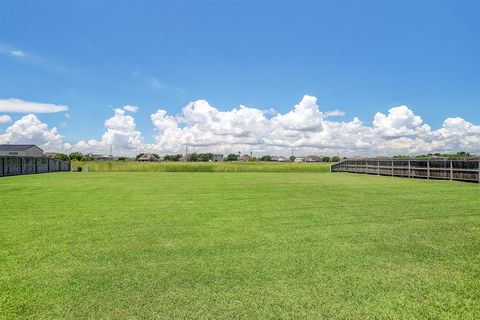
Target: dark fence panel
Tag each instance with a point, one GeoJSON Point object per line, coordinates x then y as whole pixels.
{"type": "Point", "coordinates": [11, 166]}
{"type": "Point", "coordinates": [445, 169]}
{"type": "Point", "coordinates": [29, 165]}
{"type": "Point", "coordinates": [42, 165]}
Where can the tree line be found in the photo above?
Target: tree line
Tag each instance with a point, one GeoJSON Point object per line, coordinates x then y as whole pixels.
{"type": "Point", "coordinates": [72, 156]}
{"type": "Point", "coordinates": [457, 155]}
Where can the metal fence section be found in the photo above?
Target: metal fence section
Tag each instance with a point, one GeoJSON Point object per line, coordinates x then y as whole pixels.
{"type": "Point", "coordinates": [12, 166]}
{"type": "Point", "coordinates": [445, 169]}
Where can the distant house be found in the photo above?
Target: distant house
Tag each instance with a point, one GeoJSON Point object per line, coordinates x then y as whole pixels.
{"type": "Point", "coordinates": [149, 157]}
{"type": "Point", "coordinates": [244, 158]}
{"type": "Point", "coordinates": [217, 158]}
{"type": "Point", "coordinates": [186, 158]}
{"type": "Point", "coordinates": [313, 159]}
{"type": "Point", "coordinates": [279, 159]}
{"type": "Point", "coordinates": [100, 157]}
{"type": "Point", "coordinates": [299, 159]}
{"type": "Point", "coordinates": [20, 150]}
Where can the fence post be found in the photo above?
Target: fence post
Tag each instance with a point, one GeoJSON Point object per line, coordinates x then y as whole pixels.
{"type": "Point", "coordinates": [409, 169]}
{"type": "Point", "coordinates": [428, 169]}
{"type": "Point", "coordinates": [451, 170]}
{"type": "Point", "coordinates": [392, 168]}
{"type": "Point", "coordinates": [478, 171]}
{"type": "Point", "coordinates": [378, 167]}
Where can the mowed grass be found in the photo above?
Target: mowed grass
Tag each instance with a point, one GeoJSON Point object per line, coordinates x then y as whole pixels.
{"type": "Point", "coordinates": [133, 166]}
{"type": "Point", "coordinates": [243, 246]}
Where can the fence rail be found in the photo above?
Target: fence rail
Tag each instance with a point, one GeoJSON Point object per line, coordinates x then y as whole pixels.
{"type": "Point", "coordinates": [12, 166]}
{"type": "Point", "coordinates": [444, 169]}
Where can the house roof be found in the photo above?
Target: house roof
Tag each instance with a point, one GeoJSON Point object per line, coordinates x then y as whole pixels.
{"type": "Point", "coordinates": [16, 147]}
{"type": "Point", "coordinates": [148, 156]}
{"type": "Point", "coordinates": [186, 157]}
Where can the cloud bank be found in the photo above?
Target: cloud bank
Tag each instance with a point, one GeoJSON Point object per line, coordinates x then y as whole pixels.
{"type": "Point", "coordinates": [304, 129]}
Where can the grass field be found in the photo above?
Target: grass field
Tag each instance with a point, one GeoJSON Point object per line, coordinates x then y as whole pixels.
{"type": "Point", "coordinates": [131, 166]}
{"type": "Point", "coordinates": [246, 245]}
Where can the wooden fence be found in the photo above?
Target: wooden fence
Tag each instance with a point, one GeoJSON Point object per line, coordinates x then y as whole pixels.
{"type": "Point", "coordinates": [446, 169]}
{"type": "Point", "coordinates": [12, 166]}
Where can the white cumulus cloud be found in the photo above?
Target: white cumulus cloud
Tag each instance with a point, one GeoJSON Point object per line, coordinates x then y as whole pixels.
{"type": "Point", "coordinates": [121, 134]}
{"type": "Point", "coordinates": [306, 116]}
{"type": "Point", "coordinates": [29, 129]}
{"type": "Point", "coordinates": [400, 121]}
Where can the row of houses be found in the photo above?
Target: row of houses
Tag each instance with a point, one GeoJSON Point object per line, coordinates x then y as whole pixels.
{"type": "Point", "coordinates": [34, 151]}
{"type": "Point", "coordinates": [151, 157]}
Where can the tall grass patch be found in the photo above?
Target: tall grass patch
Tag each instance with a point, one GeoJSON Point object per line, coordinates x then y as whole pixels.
{"type": "Point", "coordinates": [131, 166]}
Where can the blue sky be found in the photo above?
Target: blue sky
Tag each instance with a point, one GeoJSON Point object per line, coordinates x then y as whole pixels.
{"type": "Point", "coordinates": [360, 57]}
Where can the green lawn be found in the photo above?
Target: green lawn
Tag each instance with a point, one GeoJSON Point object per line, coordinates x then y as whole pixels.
{"type": "Point", "coordinates": [238, 245]}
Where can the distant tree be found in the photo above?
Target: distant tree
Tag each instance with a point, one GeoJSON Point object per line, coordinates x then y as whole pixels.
{"type": "Point", "coordinates": [252, 159]}
{"type": "Point", "coordinates": [463, 154]}
{"type": "Point", "coordinates": [138, 156]}
{"type": "Point", "coordinates": [193, 157]}
{"type": "Point", "coordinates": [292, 158]}
{"type": "Point", "coordinates": [122, 159]}
{"type": "Point", "coordinates": [75, 156]}
{"type": "Point", "coordinates": [85, 158]}
{"type": "Point", "coordinates": [326, 159]}
{"type": "Point", "coordinates": [335, 159]}
{"type": "Point", "coordinates": [266, 158]}
{"type": "Point", "coordinates": [174, 157]}
{"type": "Point", "coordinates": [232, 157]}
{"type": "Point", "coordinates": [61, 156]}
{"type": "Point", "coordinates": [205, 157]}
